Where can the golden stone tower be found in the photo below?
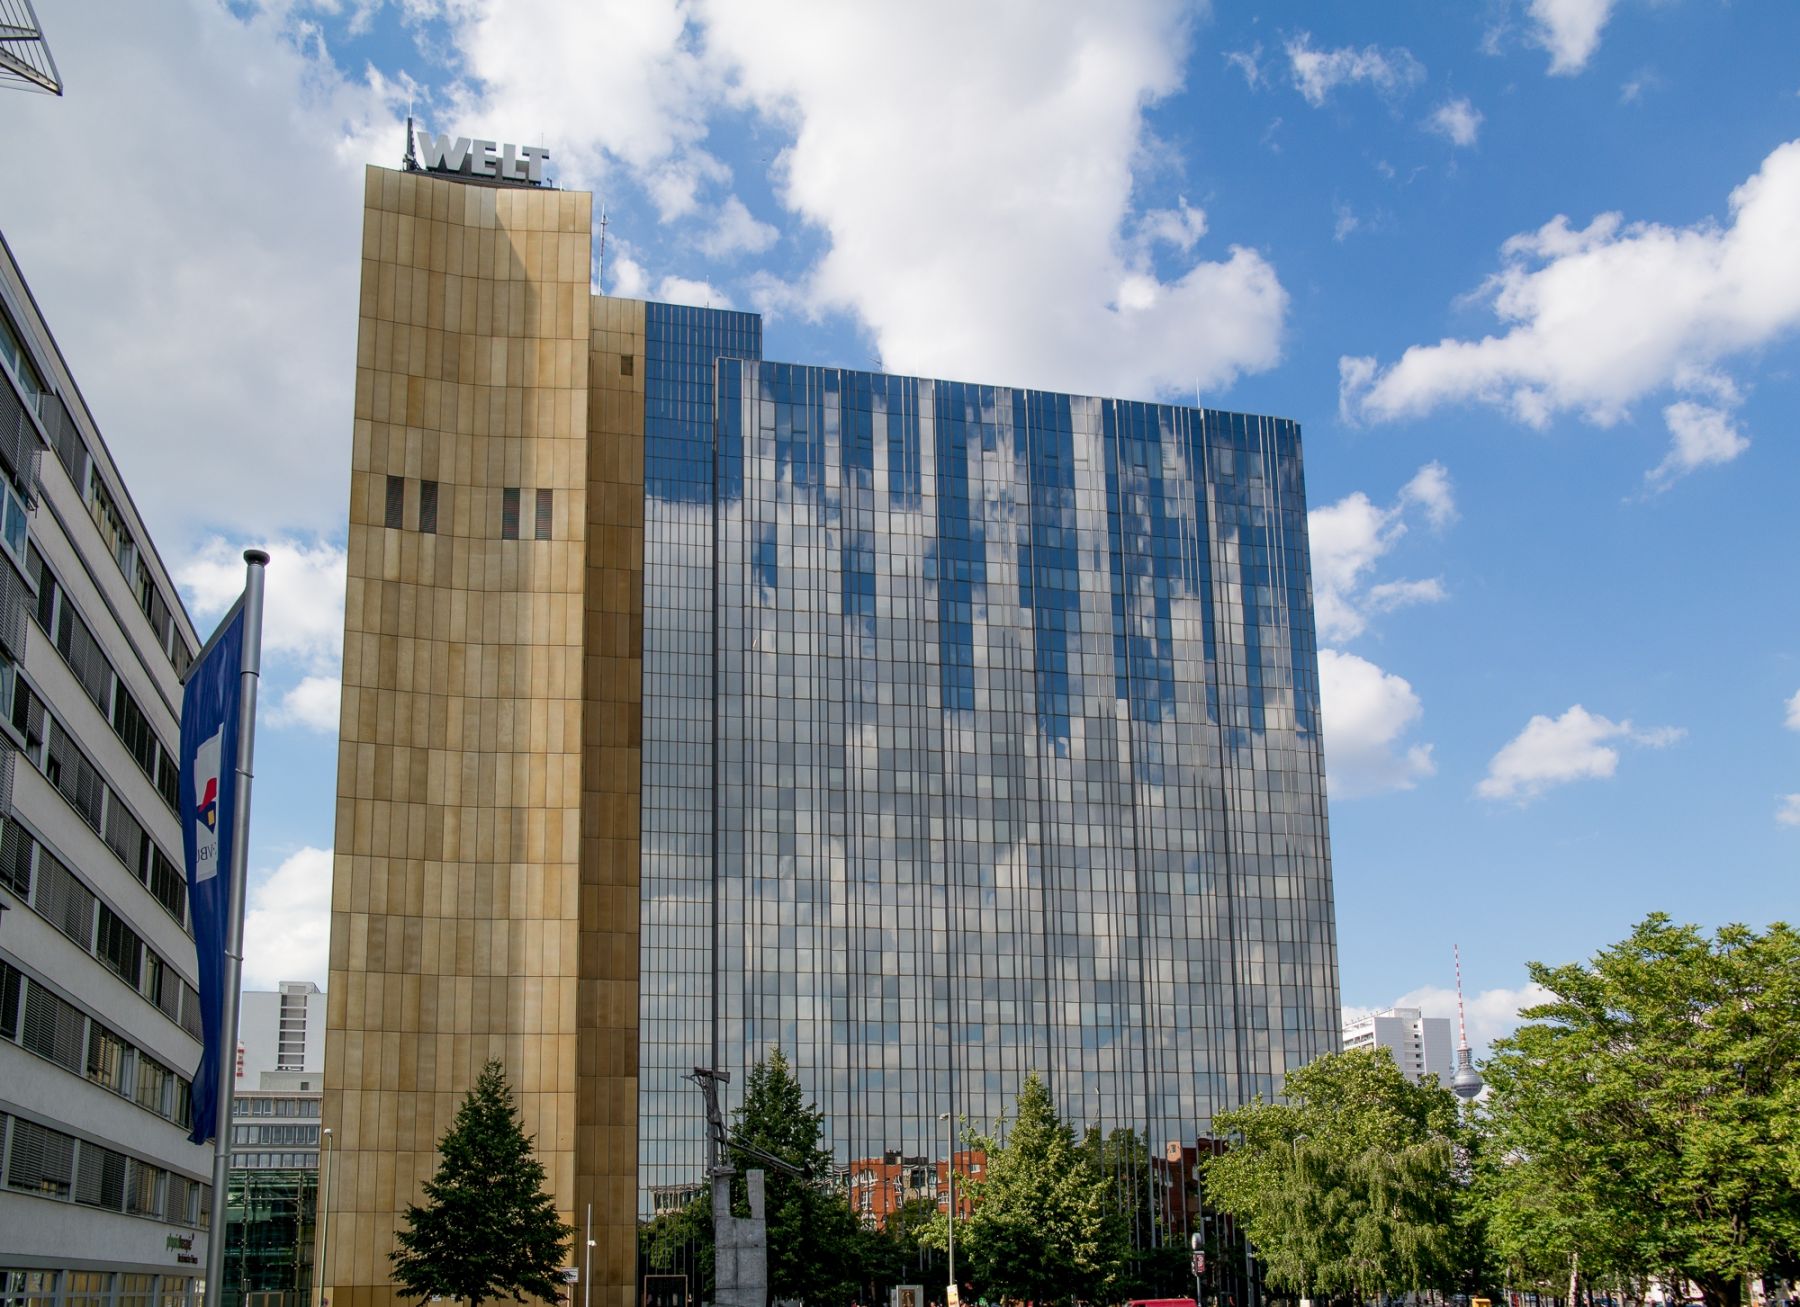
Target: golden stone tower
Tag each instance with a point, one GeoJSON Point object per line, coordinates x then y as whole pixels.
{"type": "Point", "coordinates": [485, 895]}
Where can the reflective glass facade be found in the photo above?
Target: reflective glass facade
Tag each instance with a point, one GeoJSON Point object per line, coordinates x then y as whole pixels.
{"type": "Point", "coordinates": [981, 735]}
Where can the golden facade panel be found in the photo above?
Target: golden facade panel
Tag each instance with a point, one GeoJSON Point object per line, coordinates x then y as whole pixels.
{"type": "Point", "coordinates": [472, 917]}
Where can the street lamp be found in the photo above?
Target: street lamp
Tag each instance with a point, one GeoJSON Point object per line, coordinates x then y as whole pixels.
{"type": "Point", "coordinates": [587, 1256]}
{"type": "Point", "coordinates": [323, 1200]}
{"type": "Point", "coordinates": [950, 1177]}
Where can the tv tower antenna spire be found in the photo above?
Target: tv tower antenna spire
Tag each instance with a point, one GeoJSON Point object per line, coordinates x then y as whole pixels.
{"type": "Point", "coordinates": [1467, 1080]}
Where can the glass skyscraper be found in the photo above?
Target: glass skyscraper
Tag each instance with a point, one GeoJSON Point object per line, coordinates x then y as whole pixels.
{"type": "Point", "coordinates": [696, 705]}
{"type": "Point", "coordinates": [981, 737]}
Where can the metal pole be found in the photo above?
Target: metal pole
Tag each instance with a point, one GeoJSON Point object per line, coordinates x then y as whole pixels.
{"type": "Point", "coordinates": [950, 1176]}
{"type": "Point", "coordinates": [249, 673]}
{"type": "Point", "coordinates": [587, 1253]}
{"type": "Point", "coordinates": [324, 1204]}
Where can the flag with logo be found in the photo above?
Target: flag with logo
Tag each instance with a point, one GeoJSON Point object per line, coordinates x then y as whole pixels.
{"type": "Point", "coordinates": [209, 756]}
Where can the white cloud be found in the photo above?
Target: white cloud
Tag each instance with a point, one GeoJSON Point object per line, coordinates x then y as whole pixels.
{"type": "Point", "coordinates": [737, 231]}
{"type": "Point", "coordinates": [1456, 120]}
{"type": "Point", "coordinates": [1366, 712]}
{"type": "Point", "coordinates": [1702, 435]}
{"type": "Point", "coordinates": [1569, 30]}
{"type": "Point", "coordinates": [1788, 812]}
{"type": "Point", "coordinates": [1249, 63]}
{"type": "Point", "coordinates": [197, 255]}
{"type": "Point", "coordinates": [1793, 712]}
{"type": "Point", "coordinates": [1554, 751]}
{"type": "Point", "coordinates": [1632, 91]}
{"type": "Point", "coordinates": [1318, 72]}
{"type": "Point", "coordinates": [287, 922]}
{"type": "Point", "coordinates": [312, 704]}
{"type": "Point", "coordinates": [1596, 318]}
{"type": "Point", "coordinates": [618, 80]}
{"type": "Point", "coordinates": [1346, 221]}
{"type": "Point", "coordinates": [1181, 226]}
{"type": "Point", "coordinates": [1036, 127]}
{"type": "Point", "coordinates": [1390, 595]}
{"type": "Point", "coordinates": [1430, 489]}
{"type": "Point", "coordinates": [1349, 537]}
{"type": "Point", "coordinates": [303, 597]}
{"type": "Point", "coordinates": [1490, 1014]}
{"type": "Point", "coordinates": [682, 290]}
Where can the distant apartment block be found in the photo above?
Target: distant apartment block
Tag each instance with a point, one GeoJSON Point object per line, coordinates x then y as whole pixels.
{"type": "Point", "coordinates": [281, 1029]}
{"type": "Point", "coordinates": [1420, 1044]}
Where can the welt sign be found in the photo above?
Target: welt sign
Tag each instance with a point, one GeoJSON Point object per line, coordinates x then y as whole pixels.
{"type": "Point", "coordinates": [507, 163]}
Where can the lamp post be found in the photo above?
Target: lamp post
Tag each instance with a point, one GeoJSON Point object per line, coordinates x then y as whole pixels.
{"type": "Point", "coordinates": [327, 1173]}
{"type": "Point", "coordinates": [950, 1178]}
{"type": "Point", "coordinates": [587, 1258]}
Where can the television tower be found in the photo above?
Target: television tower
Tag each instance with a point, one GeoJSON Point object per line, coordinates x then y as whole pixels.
{"type": "Point", "coordinates": [1467, 1080]}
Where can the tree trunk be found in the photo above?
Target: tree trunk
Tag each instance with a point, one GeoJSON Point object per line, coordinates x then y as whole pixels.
{"type": "Point", "coordinates": [1574, 1277]}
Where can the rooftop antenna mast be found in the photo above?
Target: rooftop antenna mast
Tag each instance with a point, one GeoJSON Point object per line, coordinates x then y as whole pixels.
{"type": "Point", "coordinates": [1467, 1080]}
{"type": "Point", "coordinates": [602, 277]}
{"type": "Point", "coordinates": [411, 162]}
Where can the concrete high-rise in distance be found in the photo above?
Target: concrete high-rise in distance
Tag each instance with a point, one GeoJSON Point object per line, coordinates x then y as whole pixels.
{"type": "Point", "coordinates": [1420, 1045]}
{"type": "Point", "coordinates": [696, 704]}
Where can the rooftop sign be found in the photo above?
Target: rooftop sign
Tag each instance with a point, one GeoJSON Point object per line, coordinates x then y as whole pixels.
{"type": "Point", "coordinates": [461, 156]}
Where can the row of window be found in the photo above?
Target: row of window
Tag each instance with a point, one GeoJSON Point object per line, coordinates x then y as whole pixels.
{"type": "Point", "coordinates": [111, 522]}
{"type": "Point", "coordinates": [85, 474]}
{"type": "Point", "coordinates": [42, 1022]}
{"type": "Point", "coordinates": [429, 501]}
{"type": "Point", "coordinates": [274, 1161]}
{"type": "Point", "coordinates": [39, 878]}
{"type": "Point", "coordinates": [255, 1105]}
{"type": "Point", "coordinates": [53, 751]}
{"type": "Point", "coordinates": [83, 653]}
{"type": "Point", "coordinates": [51, 1164]}
{"type": "Point", "coordinates": [71, 1288]}
{"type": "Point", "coordinates": [276, 1136]}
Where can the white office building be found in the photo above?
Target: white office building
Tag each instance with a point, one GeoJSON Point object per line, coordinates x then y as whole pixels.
{"type": "Point", "coordinates": [103, 1202]}
{"type": "Point", "coordinates": [281, 1029]}
{"type": "Point", "coordinates": [1420, 1044]}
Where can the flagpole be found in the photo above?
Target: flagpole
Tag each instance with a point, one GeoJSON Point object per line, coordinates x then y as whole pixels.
{"type": "Point", "coordinates": [249, 673]}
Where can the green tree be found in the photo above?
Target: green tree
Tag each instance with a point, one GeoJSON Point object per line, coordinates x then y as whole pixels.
{"type": "Point", "coordinates": [1153, 1261]}
{"type": "Point", "coordinates": [487, 1229]}
{"type": "Point", "coordinates": [1350, 1186]}
{"type": "Point", "coordinates": [1642, 1122]}
{"type": "Point", "coordinates": [680, 1242]}
{"type": "Point", "coordinates": [1043, 1225]}
{"type": "Point", "coordinates": [815, 1244]}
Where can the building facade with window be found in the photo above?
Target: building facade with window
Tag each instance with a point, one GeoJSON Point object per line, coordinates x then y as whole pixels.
{"type": "Point", "coordinates": [280, 1029]}
{"type": "Point", "coordinates": [273, 1203]}
{"type": "Point", "coordinates": [103, 1201]}
{"type": "Point", "coordinates": [1420, 1045]}
{"type": "Point", "coordinates": [696, 704]}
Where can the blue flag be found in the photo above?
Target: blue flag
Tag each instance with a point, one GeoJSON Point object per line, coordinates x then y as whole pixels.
{"type": "Point", "coordinates": [209, 758]}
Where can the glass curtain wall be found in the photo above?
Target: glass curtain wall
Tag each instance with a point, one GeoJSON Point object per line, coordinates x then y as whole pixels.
{"type": "Point", "coordinates": [1014, 705]}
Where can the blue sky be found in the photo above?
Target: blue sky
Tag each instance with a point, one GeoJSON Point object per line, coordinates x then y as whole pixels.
{"type": "Point", "coordinates": [1528, 274]}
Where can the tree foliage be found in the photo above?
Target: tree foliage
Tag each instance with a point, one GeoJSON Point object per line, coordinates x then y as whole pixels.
{"type": "Point", "coordinates": [1644, 1118]}
{"type": "Point", "coordinates": [1152, 1261]}
{"type": "Point", "coordinates": [1349, 1187]}
{"type": "Point", "coordinates": [815, 1242]}
{"type": "Point", "coordinates": [1044, 1226]}
{"type": "Point", "coordinates": [487, 1229]}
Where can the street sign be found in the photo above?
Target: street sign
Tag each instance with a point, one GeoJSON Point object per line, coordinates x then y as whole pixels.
{"type": "Point", "coordinates": [1199, 1263]}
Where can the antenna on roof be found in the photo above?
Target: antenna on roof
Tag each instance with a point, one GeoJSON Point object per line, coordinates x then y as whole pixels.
{"type": "Point", "coordinates": [602, 276]}
{"type": "Point", "coordinates": [1467, 1080]}
{"type": "Point", "coordinates": [410, 162]}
